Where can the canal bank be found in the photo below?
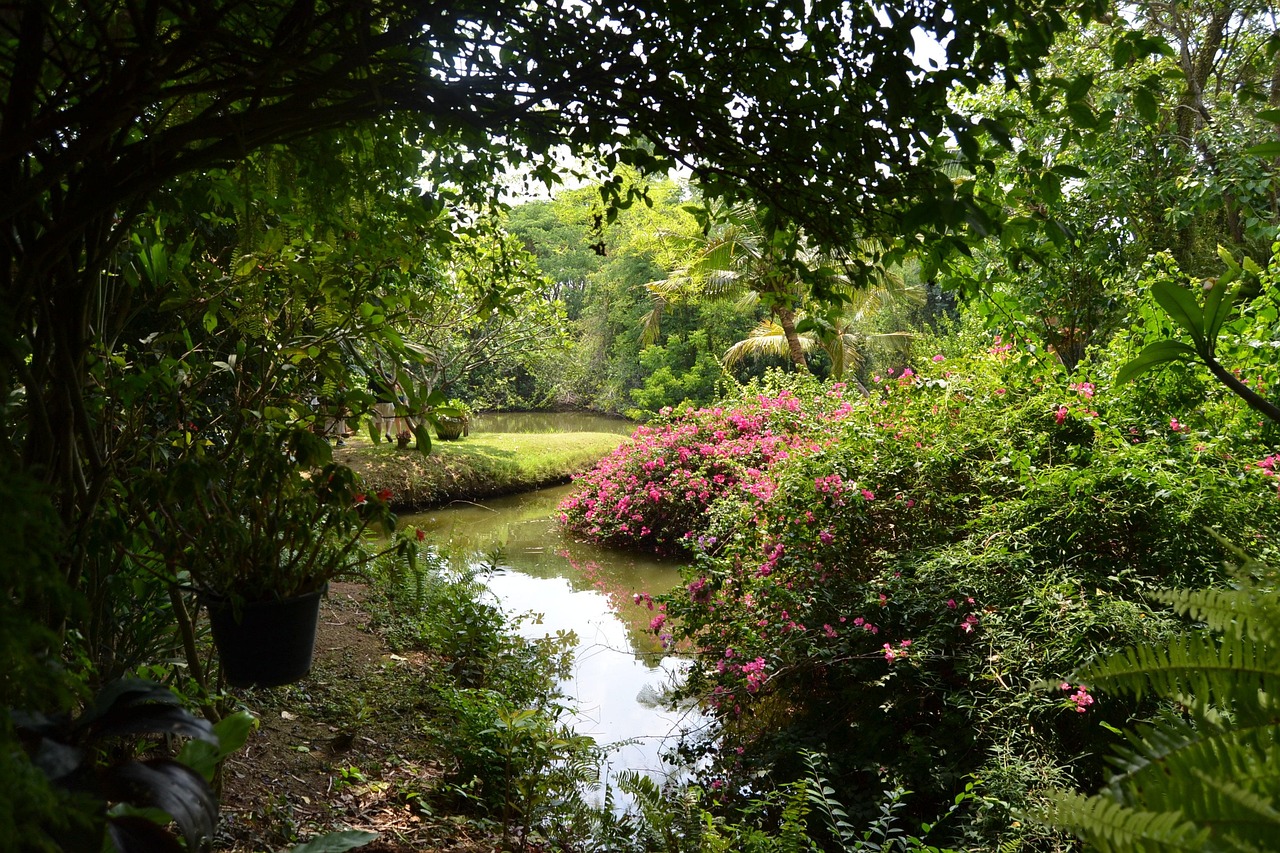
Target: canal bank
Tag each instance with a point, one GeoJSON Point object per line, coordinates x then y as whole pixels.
{"type": "Point", "coordinates": [504, 454]}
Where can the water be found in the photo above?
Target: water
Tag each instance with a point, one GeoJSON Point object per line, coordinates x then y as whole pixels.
{"type": "Point", "coordinates": [620, 667]}
{"type": "Point", "coordinates": [550, 422]}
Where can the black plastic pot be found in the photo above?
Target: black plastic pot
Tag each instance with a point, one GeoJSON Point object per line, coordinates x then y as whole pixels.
{"type": "Point", "coordinates": [271, 643]}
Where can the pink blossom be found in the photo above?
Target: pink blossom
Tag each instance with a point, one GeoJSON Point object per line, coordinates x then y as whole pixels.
{"type": "Point", "coordinates": [1061, 414]}
{"type": "Point", "coordinates": [939, 358]}
{"type": "Point", "coordinates": [1084, 389]}
{"type": "Point", "coordinates": [1081, 698]}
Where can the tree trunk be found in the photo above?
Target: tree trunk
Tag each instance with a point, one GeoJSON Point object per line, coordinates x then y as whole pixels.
{"type": "Point", "coordinates": [787, 319]}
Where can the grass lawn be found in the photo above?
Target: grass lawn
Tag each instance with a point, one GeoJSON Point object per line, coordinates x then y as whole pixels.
{"type": "Point", "coordinates": [479, 466]}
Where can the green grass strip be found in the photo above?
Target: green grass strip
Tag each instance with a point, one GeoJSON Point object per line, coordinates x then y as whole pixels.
{"type": "Point", "coordinates": [479, 466]}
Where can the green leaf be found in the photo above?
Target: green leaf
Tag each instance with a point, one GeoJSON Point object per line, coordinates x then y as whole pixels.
{"type": "Point", "coordinates": [1266, 149]}
{"type": "Point", "coordinates": [232, 732]}
{"type": "Point", "coordinates": [1144, 101]}
{"type": "Point", "coordinates": [1081, 115]}
{"type": "Point", "coordinates": [1217, 307]}
{"type": "Point", "coordinates": [423, 435]}
{"type": "Point", "coordinates": [1270, 115]}
{"type": "Point", "coordinates": [1078, 88]}
{"type": "Point", "coordinates": [1155, 354]}
{"type": "Point", "coordinates": [1069, 171]}
{"type": "Point", "coordinates": [1181, 306]}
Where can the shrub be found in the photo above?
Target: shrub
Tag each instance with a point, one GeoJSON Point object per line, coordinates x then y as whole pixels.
{"type": "Point", "coordinates": [655, 493]}
{"type": "Point", "coordinates": [893, 584]}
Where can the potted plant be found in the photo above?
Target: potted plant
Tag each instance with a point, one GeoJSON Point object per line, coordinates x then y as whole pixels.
{"type": "Point", "coordinates": [258, 533]}
{"type": "Point", "coordinates": [453, 420]}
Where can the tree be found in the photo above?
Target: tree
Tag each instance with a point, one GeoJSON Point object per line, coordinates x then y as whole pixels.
{"type": "Point", "coordinates": [815, 108]}
{"type": "Point", "coordinates": [749, 256]}
{"type": "Point", "coordinates": [1143, 139]}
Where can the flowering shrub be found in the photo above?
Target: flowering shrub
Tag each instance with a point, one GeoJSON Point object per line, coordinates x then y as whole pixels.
{"type": "Point", "coordinates": [901, 572]}
{"type": "Point", "coordinates": [656, 492]}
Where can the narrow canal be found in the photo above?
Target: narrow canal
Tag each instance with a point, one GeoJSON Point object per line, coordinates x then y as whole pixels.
{"type": "Point", "coordinates": [620, 668]}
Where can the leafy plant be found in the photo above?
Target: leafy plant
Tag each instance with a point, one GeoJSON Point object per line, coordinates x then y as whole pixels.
{"type": "Point", "coordinates": [89, 759]}
{"type": "Point", "coordinates": [285, 521]}
{"type": "Point", "coordinates": [1203, 323]}
{"type": "Point", "coordinates": [1203, 774]}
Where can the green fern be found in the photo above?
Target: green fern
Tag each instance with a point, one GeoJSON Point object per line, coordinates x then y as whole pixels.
{"type": "Point", "coordinates": [1205, 774]}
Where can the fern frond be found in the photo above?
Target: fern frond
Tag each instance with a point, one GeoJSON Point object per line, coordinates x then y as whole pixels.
{"type": "Point", "coordinates": [1241, 612]}
{"type": "Point", "coordinates": [1110, 826]}
{"type": "Point", "coordinates": [1161, 759]}
{"type": "Point", "coordinates": [1256, 816]}
{"type": "Point", "coordinates": [1193, 664]}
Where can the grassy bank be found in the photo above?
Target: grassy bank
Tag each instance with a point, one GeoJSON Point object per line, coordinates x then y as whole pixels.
{"type": "Point", "coordinates": [479, 466]}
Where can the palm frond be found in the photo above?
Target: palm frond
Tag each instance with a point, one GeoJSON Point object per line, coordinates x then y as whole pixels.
{"type": "Point", "coordinates": [766, 339]}
{"type": "Point", "coordinates": [651, 322]}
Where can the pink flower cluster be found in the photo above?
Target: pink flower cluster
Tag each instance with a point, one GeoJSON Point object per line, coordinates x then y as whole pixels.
{"type": "Point", "coordinates": [1081, 699]}
{"type": "Point", "coordinates": [654, 492]}
{"type": "Point", "coordinates": [892, 654]}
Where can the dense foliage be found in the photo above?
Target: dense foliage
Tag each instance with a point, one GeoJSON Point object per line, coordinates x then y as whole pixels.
{"type": "Point", "coordinates": [230, 223]}
{"type": "Point", "coordinates": [891, 579]}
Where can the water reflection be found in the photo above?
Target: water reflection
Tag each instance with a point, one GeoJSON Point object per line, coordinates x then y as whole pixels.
{"type": "Point", "coordinates": [620, 668]}
{"type": "Point", "coordinates": [550, 422]}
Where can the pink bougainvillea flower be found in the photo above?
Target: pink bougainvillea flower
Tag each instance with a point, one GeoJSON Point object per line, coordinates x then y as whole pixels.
{"type": "Point", "coordinates": [939, 358]}
{"type": "Point", "coordinates": [1176, 425]}
{"type": "Point", "coordinates": [1084, 389]}
{"type": "Point", "coordinates": [867, 494]}
{"type": "Point", "coordinates": [1061, 414]}
{"type": "Point", "coordinates": [1080, 700]}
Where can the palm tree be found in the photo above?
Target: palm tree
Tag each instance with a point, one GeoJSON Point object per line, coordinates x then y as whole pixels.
{"type": "Point", "coordinates": [752, 258]}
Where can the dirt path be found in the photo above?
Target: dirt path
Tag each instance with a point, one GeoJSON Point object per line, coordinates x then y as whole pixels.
{"type": "Point", "coordinates": [334, 752]}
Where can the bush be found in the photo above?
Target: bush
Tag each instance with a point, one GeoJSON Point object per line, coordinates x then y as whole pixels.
{"type": "Point", "coordinates": [655, 493]}
{"type": "Point", "coordinates": [893, 584]}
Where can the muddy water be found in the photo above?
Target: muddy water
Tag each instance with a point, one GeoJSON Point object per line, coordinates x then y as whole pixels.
{"type": "Point", "coordinates": [619, 667]}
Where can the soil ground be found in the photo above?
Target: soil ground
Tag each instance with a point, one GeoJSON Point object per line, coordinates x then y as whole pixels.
{"type": "Point", "coordinates": [328, 756]}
